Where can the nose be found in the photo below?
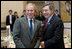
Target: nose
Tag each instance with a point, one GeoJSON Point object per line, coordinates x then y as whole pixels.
{"type": "Point", "coordinates": [29, 11]}
{"type": "Point", "coordinates": [44, 12]}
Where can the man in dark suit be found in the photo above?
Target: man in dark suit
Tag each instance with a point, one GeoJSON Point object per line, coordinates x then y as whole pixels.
{"type": "Point", "coordinates": [40, 17]}
{"type": "Point", "coordinates": [10, 19]}
{"type": "Point", "coordinates": [52, 35]}
{"type": "Point", "coordinates": [24, 13]}
{"type": "Point", "coordinates": [56, 12]}
{"type": "Point", "coordinates": [27, 30]}
{"type": "Point", "coordinates": [16, 15]}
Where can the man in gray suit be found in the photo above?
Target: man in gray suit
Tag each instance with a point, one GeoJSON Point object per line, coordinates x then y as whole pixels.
{"type": "Point", "coordinates": [27, 29]}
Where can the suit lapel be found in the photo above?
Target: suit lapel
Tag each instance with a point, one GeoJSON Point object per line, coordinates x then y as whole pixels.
{"type": "Point", "coordinates": [52, 19]}
{"type": "Point", "coordinates": [35, 27]}
{"type": "Point", "coordinates": [48, 24]}
{"type": "Point", "coordinates": [27, 25]}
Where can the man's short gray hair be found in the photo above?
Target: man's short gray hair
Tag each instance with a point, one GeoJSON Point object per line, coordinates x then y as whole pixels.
{"type": "Point", "coordinates": [51, 6]}
{"type": "Point", "coordinates": [31, 4]}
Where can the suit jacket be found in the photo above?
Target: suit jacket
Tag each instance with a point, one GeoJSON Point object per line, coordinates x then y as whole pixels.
{"type": "Point", "coordinates": [21, 34]}
{"type": "Point", "coordinates": [8, 21]}
{"type": "Point", "coordinates": [22, 16]}
{"type": "Point", "coordinates": [16, 17]}
{"type": "Point", "coordinates": [42, 18]}
{"type": "Point", "coordinates": [53, 35]}
{"type": "Point", "coordinates": [59, 16]}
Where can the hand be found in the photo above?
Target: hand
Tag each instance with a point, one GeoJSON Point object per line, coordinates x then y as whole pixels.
{"type": "Point", "coordinates": [42, 44]}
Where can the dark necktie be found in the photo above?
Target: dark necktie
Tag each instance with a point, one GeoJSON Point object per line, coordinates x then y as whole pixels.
{"type": "Point", "coordinates": [31, 28]}
{"type": "Point", "coordinates": [45, 25]}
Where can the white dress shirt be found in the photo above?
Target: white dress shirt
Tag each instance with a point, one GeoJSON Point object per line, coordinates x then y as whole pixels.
{"type": "Point", "coordinates": [50, 18]}
{"type": "Point", "coordinates": [10, 19]}
{"type": "Point", "coordinates": [29, 22]}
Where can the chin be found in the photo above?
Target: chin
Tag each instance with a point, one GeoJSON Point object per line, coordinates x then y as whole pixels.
{"type": "Point", "coordinates": [46, 17]}
{"type": "Point", "coordinates": [31, 17]}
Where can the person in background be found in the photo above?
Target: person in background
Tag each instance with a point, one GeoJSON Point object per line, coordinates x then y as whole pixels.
{"type": "Point", "coordinates": [57, 14]}
{"type": "Point", "coordinates": [40, 17]}
{"type": "Point", "coordinates": [10, 19]}
{"type": "Point", "coordinates": [16, 15]}
{"type": "Point", "coordinates": [24, 13]}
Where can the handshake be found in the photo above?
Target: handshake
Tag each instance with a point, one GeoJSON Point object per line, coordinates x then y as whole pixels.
{"type": "Point", "coordinates": [42, 45]}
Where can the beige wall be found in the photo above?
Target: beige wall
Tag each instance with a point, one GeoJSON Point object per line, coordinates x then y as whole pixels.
{"type": "Point", "coordinates": [14, 5]}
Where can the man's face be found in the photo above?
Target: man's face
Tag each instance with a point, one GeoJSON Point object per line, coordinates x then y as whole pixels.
{"type": "Point", "coordinates": [10, 12]}
{"type": "Point", "coordinates": [47, 12]}
{"type": "Point", "coordinates": [56, 12]}
{"type": "Point", "coordinates": [16, 14]}
{"type": "Point", "coordinates": [30, 11]}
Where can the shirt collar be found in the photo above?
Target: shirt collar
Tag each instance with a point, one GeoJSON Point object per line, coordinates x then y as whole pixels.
{"type": "Point", "coordinates": [50, 17]}
{"type": "Point", "coordinates": [29, 18]}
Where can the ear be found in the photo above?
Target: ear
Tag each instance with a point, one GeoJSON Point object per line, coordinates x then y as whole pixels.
{"type": "Point", "coordinates": [53, 11]}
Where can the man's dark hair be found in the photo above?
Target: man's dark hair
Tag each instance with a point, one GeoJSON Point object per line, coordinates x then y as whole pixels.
{"type": "Point", "coordinates": [56, 10]}
{"type": "Point", "coordinates": [51, 5]}
{"type": "Point", "coordinates": [10, 10]}
{"type": "Point", "coordinates": [15, 12]}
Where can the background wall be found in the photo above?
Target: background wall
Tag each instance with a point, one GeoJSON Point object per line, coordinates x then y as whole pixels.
{"type": "Point", "coordinates": [14, 5]}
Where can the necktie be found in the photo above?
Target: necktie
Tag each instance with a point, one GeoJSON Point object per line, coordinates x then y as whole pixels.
{"type": "Point", "coordinates": [31, 28]}
{"type": "Point", "coordinates": [45, 25]}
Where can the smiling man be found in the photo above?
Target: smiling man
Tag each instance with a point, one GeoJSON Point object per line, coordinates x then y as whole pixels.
{"type": "Point", "coordinates": [27, 29]}
{"type": "Point", "coordinates": [53, 28]}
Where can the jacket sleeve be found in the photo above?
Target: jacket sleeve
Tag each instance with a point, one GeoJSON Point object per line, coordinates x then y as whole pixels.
{"type": "Point", "coordinates": [38, 36]}
{"type": "Point", "coordinates": [16, 35]}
